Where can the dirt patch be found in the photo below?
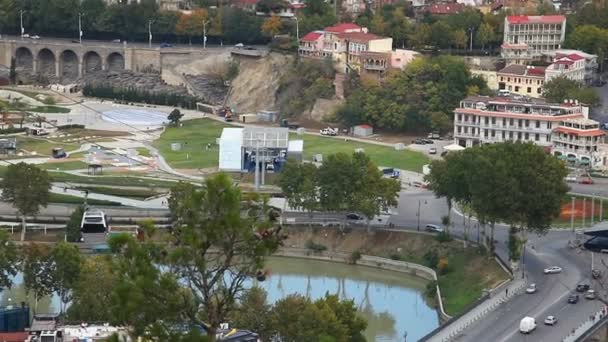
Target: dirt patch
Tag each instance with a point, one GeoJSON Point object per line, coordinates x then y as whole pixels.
{"type": "Point", "coordinates": [580, 207]}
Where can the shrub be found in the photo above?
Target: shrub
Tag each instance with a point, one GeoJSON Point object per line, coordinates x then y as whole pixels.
{"type": "Point", "coordinates": [12, 130]}
{"type": "Point", "coordinates": [444, 237]}
{"type": "Point", "coordinates": [316, 247]}
{"type": "Point", "coordinates": [395, 256]}
{"type": "Point", "coordinates": [443, 266]}
{"type": "Point", "coordinates": [355, 256]}
{"type": "Point", "coordinates": [431, 289]}
{"type": "Point", "coordinates": [431, 258]}
{"type": "Point", "coordinates": [62, 127]}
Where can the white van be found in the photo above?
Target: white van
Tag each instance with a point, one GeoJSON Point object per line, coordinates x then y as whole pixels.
{"type": "Point", "coordinates": [527, 325]}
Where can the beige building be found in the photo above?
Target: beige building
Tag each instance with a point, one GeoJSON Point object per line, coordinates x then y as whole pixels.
{"type": "Point", "coordinates": [528, 37]}
{"type": "Point", "coordinates": [522, 80]}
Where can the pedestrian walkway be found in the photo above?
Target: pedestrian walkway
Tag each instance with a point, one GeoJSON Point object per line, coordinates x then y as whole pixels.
{"type": "Point", "coordinates": [155, 203]}
{"type": "Point", "coordinates": [450, 331]}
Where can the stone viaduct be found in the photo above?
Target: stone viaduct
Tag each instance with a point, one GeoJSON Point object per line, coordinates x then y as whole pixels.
{"type": "Point", "coordinates": [71, 60]}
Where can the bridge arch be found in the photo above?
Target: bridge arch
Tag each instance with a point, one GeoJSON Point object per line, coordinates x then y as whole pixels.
{"type": "Point", "coordinates": [24, 58]}
{"type": "Point", "coordinates": [91, 62]}
{"type": "Point", "coordinates": [116, 61]}
{"type": "Point", "coordinates": [46, 62]}
{"type": "Point", "coordinates": [68, 65]}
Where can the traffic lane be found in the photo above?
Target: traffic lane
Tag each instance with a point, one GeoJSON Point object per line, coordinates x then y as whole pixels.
{"type": "Point", "coordinates": [599, 188]}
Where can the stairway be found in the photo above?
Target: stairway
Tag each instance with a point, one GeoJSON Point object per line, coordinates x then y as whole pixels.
{"type": "Point", "coordinates": [339, 85]}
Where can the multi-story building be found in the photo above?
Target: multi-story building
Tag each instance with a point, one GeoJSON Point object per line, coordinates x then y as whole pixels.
{"type": "Point", "coordinates": [573, 64]}
{"type": "Point", "coordinates": [579, 141]}
{"type": "Point", "coordinates": [311, 44]}
{"type": "Point", "coordinates": [527, 38]}
{"type": "Point", "coordinates": [353, 8]}
{"type": "Point", "coordinates": [522, 79]}
{"type": "Point", "coordinates": [361, 42]}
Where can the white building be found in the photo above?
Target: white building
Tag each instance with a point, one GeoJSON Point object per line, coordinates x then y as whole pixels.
{"type": "Point", "coordinates": [528, 37]}
{"type": "Point", "coordinates": [579, 141]}
{"type": "Point", "coordinates": [573, 64]}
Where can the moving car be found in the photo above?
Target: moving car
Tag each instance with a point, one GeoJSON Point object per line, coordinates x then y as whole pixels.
{"type": "Point", "coordinates": [573, 299]}
{"type": "Point", "coordinates": [354, 217]}
{"type": "Point", "coordinates": [433, 228]}
{"type": "Point", "coordinates": [552, 270]}
{"type": "Point", "coordinates": [550, 320]}
{"type": "Point", "coordinates": [582, 287]}
{"type": "Point", "coordinates": [590, 294]}
{"type": "Point", "coordinates": [419, 141]}
{"type": "Point", "coordinates": [433, 150]}
{"type": "Point", "coordinates": [585, 180]}
{"type": "Point", "coordinates": [531, 288]}
{"type": "Point", "coordinates": [35, 37]}
{"type": "Point", "coordinates": [527, 325]}
{"type": "Point", "coordinates": [570, 179]}
{"type": "Point", "coordinates": [165, 45]}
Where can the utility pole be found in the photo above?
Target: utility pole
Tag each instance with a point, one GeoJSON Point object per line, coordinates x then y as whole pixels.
{"type": "Point", "coordinates": [592, 209]}
{"type": "Point", "coordinates": [297, 29]}
{"type": "Point", "coordinates": [257, 167]}
{"type": "Point", "coordinates": [150, 33]}
{"type": "Point", "coordinates": [418, 215]}
{"type": "Point", "coordinates": [471, 40]}
{"type": "Point", "coordinates": [205, 22]}
{"type": "Point", "coordinates": [572, 217]}
{"type": "Point", "coordinates": [80, 28]}
{"type": "Point", "coordinates": [22, 29]}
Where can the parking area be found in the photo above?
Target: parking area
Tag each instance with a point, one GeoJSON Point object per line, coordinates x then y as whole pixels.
{"type": "Point", "coordinates": [432, 148]}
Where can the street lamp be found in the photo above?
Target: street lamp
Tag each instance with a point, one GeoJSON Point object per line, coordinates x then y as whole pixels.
{"type": "Point", "coordinates": [80, 27]}
{"type": "Point", "coordinates": [205, 22]}
{"type": "Point", "coordinates": [150, 33]}
{"type": "Point", "coordinates": [297, 29]}
{"type": "Point", "coordinates": [22, 29]}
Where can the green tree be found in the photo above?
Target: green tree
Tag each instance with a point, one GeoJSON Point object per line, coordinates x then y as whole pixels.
{"type": "Point", "coordinates": [93, 292]}
{"type": "Point", "coordinates": [590, 39]}
{"type": "Point", "coordinates": [66, 261]}
{"type": "Point", "coordinates": [440, 35]}
{"type": "Point", "coordinates": [253, 313]}
{"type": "Point", "coordinates": [484, 35]}
{"type": "Point", "coordinates": [459, 39]}
{"type": "Point", "coordinates": [421, 36]}
{"type": "Point", "coordinates": [9, 260]}
{"type": "Point", "coordinates": [562, 88]}
{"type": "Point", "coordinates": [298, 181]}
{"type": "Point", "coordinates": [72, 228]}
{"type": "Point", "coordinates": [272, 26]}
{"type": "Point", "coordinates": [26, 187]}
{"type": "Point", "coordinates": [175, 116]}
{"type": "Point", "coordinates": [37, 268]}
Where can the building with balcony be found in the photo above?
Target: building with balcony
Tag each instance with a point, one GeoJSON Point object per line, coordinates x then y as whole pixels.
{"type": "Point", "coordinates": [520, 79]}
{"type": "Point", "coordinates": [573, 64]}
{"type": "Point", "coordinates": [311, 45]}
{"type": "Point", "coordinates": [579, 141]}
{"type": "Point", "coordinates": [358, 43]}
{"type": "Point", "coordinates": [527, 38]}
{"type": "Point", "coordinates": [483, 119]}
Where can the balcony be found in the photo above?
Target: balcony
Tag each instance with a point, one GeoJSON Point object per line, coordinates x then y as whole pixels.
{"type": "Point", "coordinates": [466, 135]}
{"type": "Point", "coordinates": [371, 66]}
{"type": "Point", "coordinates": [577, 142]}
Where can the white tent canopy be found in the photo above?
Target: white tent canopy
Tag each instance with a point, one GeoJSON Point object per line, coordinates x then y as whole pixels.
{"type": "Point", "coordinates": [453, 147]}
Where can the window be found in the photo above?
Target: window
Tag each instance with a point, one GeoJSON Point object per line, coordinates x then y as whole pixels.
{"type": "Point", "coordinates": [493, 133]}
{"type": "Point", "coordinates": [466, 130]}
{"type": "Point", "coordinates": [510, 135]}
{"type": "Point", "coordinates": [518, 135]}
{"type": "Point", "coordinates": [504, 121]}
{"type": "Point", "coordinates": [538, 90]}
{"type": "Point", "coordinates": [527, 123]}
{"type": "Point", "coordinates": [511, 121]}
{"type": "Point", "coordinates": [548, 137]}
{"type": "Point", "coordinates": [459, 117]}
{"type": "Point", "coordinates": [519, 122]}
{"type": "Point", "coordinates": [487, 120]}
{"type": "Point", "coordinates": [503, 135]}
{"type": "Point", "coordinates": [529, 90]}
{"type": "Point", "coordinates": [516, 88]}
{"type": "Point", "coordinates": [536, 137]}
{"type": "Point", "coordinates": [537, 124]}
{"type": "Point", "coordinates": [493, 120]}
{"type": "Point", "coordinates": [527, 136]}
{"type": "Point", "coordinates": [459, 129]}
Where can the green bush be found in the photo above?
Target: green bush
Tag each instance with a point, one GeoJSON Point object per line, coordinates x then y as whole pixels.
{"type": "Point", "coordinates": [12, 130]}
{"type": "Point", "coordinates": [444, 237]}
{"type": "Point", "coordinates": [431, 289]}
{"type": "Point", "coordinates": [443, 266]}
{"type": "Point", "coordinates": [395, 256]}
{"type": "Point", "coordinates": [431, 259]}
{"type": "Point", "coordinates": [316, 247]}
{"type": "Point", "coordinates": [72, 126]}
{"type": "Point", "coordinates": [134, 95]}
{"type": "Point", "coordinates": [355, 256]}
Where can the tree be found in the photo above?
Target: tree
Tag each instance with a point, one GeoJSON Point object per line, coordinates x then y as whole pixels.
{"type": "Point", "coordinates": [37, 268]}
{"type": "Point", "coordinates": [253, 313]}
{"type": "Point", "coordinates": [72, 229]}
{"type": "Point", "coordinates": [298, 181]}
{"type": "Point", "coordinates": [93, 292]}
{"type": "Point", "coordinates": [222, 242]}
{"type": "Point", "coordinates": [590, 39]}
{"type": "Point", "coordinates": [484, 35]}
{"type": "Point", "coordinates": [191, 24]}
{"type": "Point", "coordinates": [26, 187]}
{"type": "Point", "coordinates": [175, 116]}
{"type": "Point", "coordinates": [9, 260]}
{"type": "Point", "coordinates": [272, 26]}
{"type": "Point", "coordinates": [562, 88]}
{"type": "Point", "coordinates": [269, 6]}
{"type": "Point", "coordinates": [459, 39]}
{"type": "Point", "coordinates": [440, 35]}
{"type": "Point", "coordinates": [66, 262]}
{"type": "Point", "coordinates": [421, 36]}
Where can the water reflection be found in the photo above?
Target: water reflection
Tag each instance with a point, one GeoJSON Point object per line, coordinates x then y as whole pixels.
{"type": "Point", "coordinates": [17, 294]}
{"type": "Point", "coordinates": [392, 303]}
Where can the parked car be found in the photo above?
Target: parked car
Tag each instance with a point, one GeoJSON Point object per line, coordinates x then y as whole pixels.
{"type": "Point", "coordinates": [433, 150]}
{"type": "Point", "coordinates": [434, 136]}
{"type": "Point", "coordinates": [329, 131]}
{"type": "Point", "coordinates": [550, 320]}
{"type": "Point", "coordinates": [116, 41]}
{"type": "Point", "coordinates": [582, 287]}
{"type": "Point", "coordinates": [35, 37]}
{"type": "Point", "coordinates": [354, 217]}
{"type": "Point", "coordinates": [531, 288]}
{"type": "Point", "coordinates": [585, 180]}
{"type": "Point", "coordinates": [433, 228]}
{"type": "Point", "coordinates": [418, 141]}
{"type": "Point", "coordinates": [552, 270]}
{"type": "Point", "coordinates": [590, 294]}
{"type": "Point", "coordinates": [26, 35]}
{"type": "Point", "coordinates": [573, 299]}
{"type": "Point", "coordinates": [570, 179]}
{"type": "Point", "coordinates": [527, 325]}
{"type": "Point", "coordinates": [165, 45]}
{"type": "Point", "coordinates": [239, 45]}
{"type": "Point", "coordinates": [428, 141]}
{"type": "Point", "coordinates": [391, 173]}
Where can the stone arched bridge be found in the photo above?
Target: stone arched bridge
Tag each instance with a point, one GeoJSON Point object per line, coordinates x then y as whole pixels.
{"type": "Point", "coordinates": [69, 60]}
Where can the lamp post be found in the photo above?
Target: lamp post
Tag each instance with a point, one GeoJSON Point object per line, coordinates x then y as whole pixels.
{"type": "Point", "coordinates": [471, 29]}
{"type": "Point", "coordinates": [80, 27]}
{"type": "Point", "coordinates": [205, 22]}
{"type": "Point", "coordinates": [150, 33]}
{"type": "Point", "coordinates": [22, 29]}
{"type": "Point", "coordinates": [297, 28]}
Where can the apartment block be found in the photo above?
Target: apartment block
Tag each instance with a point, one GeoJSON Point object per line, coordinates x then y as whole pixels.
{"type": "Point", "coordinates": [527, 38]}
{"type": "Point", "coordinates": [573, 64]}
{"type": "Point", "coordinates": [521, 79]}
{"type": "Point", "coordinates": [579, 141]}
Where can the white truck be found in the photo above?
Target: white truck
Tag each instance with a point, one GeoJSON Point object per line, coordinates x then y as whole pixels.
{"type": "Point", "coordinates": [527, 325]}
{"type": "Point", "coordinates": [329, 131]}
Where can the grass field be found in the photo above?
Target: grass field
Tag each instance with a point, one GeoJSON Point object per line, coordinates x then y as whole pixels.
{"type": "Point", "coordinates": [64, 165]}
{"type": "Point", "coordinates": [62, 198]}
{"type": "Point", "coordinates": [139, 194]}
{"type": "Point", "coordinates": [195, 134]}
{"type": "Point", "coordinates": [42, 146]}
{"type": "Point", "coordinates": [110, 180]}
{"type": "Point", "coordinates": [144, 152]}
{"type": "Point", "coordinates": [50, 109]}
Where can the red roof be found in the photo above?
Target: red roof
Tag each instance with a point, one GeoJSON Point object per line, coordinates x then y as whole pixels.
{"type": "Point", "coordinates": [343, 27]}
{"type": "Point", "coordinates": [358, 36]}
{"type": "Point", "coordinates": [596, 132]}
{"type": "Point", "coordinates": [536, 71]}
{"type": "Point", "coordinates": [440, 9]}
{"type": "Point", "coordinates": [311, 37]}
{"type": "Point", "coordinates": [536, 19]}
{"type": "Point", "coordinates": [13, 337]}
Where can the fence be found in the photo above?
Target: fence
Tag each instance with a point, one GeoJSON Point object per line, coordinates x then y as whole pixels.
{"type": "Point", "coordinates": [593, 322]}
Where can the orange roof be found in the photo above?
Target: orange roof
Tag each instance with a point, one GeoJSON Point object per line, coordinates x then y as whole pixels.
{"type": "Point", "coordinates": [536, 19]}
{"type": "Point", "coordinates": [343, 27]}
{"type": "Point", "coordinates": [13, 337]}
{"type": "Point", "coordinates": [596, 132]}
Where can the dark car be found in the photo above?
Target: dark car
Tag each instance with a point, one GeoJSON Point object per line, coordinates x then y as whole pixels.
{"type": "Point", "coordinates": [428, 141]}
{"type": "Point", "coordinates": [573, 299]}
{"type": "Point", "coordinates": [419, 141]}
{"type": "Point", "coordinates": [582, 287]}
{"type": "Point", "coordinates": [354, 217]}
{"type": "Point", "coordinates": [165, 45]}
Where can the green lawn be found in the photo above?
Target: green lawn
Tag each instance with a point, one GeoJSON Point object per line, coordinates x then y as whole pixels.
{"type": "Point", "coordinates": [144, 152]}
{"type": "Point", "coordinates": [195, 134]}
{"type": "Point", "coordinates": [50, 109]}
{"type": "Point", "coordinates": [63, 166]}
{"type": "Point", "coordinates": [111, 180]}
{"type": "Point", "coordinates": [62, 198]}
{"type": "Point", "coordinates": [42, 146]}
{"type": "Point", "coordinates": [140, 194]}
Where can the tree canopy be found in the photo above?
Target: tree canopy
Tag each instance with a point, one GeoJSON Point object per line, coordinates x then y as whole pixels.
{"type": "Point", "coordinates": [561, 88]}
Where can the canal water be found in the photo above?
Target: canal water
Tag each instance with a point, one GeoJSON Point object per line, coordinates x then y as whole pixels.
{"type": "Point", "coordinates": [392, 303]}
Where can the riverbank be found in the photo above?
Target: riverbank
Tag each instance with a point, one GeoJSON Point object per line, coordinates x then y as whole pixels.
{"type": "Point", "coordinates": [462, 274]}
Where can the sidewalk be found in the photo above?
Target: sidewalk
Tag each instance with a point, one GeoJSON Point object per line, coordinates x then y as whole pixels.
{"type": "Point", "coordinates": [455, 327]}
{"type": "Point", "coordinates": [155, 203]}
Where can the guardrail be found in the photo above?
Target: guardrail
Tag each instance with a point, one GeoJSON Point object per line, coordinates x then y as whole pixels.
{"type": "Point", "coordinates": [580, 333]}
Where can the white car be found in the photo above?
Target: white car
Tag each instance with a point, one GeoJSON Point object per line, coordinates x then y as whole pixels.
{"type": "Point", "coordinates": [531, 288]}
{"type": "Point", "coordinates": [570, 179]}
{"type": "Point", "coordinates": [433, 228]}
{"type": "Point", "coordinates": [329, 131]}
{"type": "Point", "coordinates": [433, 150]}
{"type": "Point", "coordinates": [26, 35]}
{"type": "Point", "coordinates": [35, 37]}
{"type": "Point", "coordinates": [550, 320]}
{"type": "Point", "coordinates": [552, 269]}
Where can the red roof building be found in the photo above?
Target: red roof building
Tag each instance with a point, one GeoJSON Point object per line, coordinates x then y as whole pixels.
{"type": "Point", "coordinates": [312, 36]}
{"type": "Point", "coordinates": [445, 9]}
{"type": "Point", "coordinates": [359, 37]}
{"type": "Point", "coordinates": [529, 37]}
{"type": "Point", "coordinates": [536, 19]}
{"type": "Point", "coordinates": [344, 27]}
{"type": "Point", "coordinates": [14, 337]}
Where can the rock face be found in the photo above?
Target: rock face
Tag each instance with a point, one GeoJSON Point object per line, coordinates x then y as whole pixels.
{"type": "Point", "coordinates": [148, 82]}
{"type": "Point", "coordinates": [324, 109]}
{"type": "Point", "coordinates": [209, 89]}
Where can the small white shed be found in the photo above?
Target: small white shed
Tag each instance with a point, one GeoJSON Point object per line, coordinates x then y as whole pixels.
{"type": "Point", "coordinates": [363, 131]}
